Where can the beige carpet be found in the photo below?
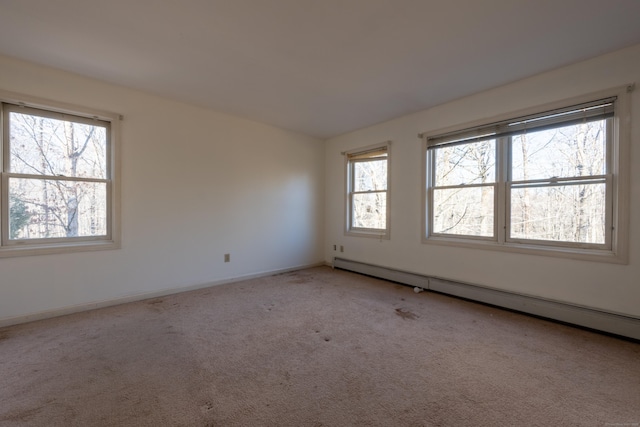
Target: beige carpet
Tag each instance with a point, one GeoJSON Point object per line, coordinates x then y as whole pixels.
{"type": "Point", "coordinates": [313, 348]}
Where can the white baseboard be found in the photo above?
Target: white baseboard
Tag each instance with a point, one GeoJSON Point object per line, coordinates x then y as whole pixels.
{"type": "Point", "coordinates": [614, 323]}
{"type": "Point", "coordinates": [8, 321]}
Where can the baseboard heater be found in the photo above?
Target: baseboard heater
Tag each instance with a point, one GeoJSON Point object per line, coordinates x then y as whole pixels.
{"type": "Point", "coordinates": [617, 324]}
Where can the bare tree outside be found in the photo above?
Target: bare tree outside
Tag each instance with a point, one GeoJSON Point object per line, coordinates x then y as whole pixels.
{"type": "Point", "coordinates": [559, 208]}
{"type": "Point", "coordinates": [58, 176]}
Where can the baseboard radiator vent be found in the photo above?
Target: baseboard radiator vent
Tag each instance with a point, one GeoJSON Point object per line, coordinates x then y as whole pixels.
{"type": "Point", "coordinates": [617, 324]}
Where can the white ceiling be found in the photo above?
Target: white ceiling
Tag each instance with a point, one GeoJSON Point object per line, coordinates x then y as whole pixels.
{"type": "Point", "coordinates": [319, 67]}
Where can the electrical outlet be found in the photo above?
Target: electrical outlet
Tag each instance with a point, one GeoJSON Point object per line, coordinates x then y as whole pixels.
{"type": "Point", "coordinates": [227, 257]}
{"type": "Point", "coordinates": [341, 248]}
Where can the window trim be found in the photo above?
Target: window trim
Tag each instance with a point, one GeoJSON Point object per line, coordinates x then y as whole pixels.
{"type": "Point", "coordinates": [619, 177]}
{"type": "Point", "coordinates": [366, 232]}
{"type": "Point", "coordinates": [63, 245]}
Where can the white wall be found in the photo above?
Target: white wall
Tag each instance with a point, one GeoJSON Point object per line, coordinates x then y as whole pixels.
{"type": "Point", "coordinates": [196, 184]}
{"type": "Point", "coordinates": [599, 285]}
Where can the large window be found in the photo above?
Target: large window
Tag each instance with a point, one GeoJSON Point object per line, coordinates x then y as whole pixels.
{"type": "Point", "coordinates": [57, 190]}
{"type": "Point", "coordinates": [552, 180]}
{"type": "Point", "coordinates": [368, 191]}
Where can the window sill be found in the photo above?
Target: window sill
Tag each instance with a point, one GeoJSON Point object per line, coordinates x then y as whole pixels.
{"type": "Point", "coordinates": [381, 234]}
{"type": "Point", "coordinates": [597, 255]}
{"type": "Point", "coordinates": [57, 248]}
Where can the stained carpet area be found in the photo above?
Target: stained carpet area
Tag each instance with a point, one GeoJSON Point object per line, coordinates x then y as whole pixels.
{"type": "Point", "coordinates": [317, 347]}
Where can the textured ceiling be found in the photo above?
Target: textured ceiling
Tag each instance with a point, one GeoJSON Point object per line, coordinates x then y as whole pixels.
{"type": "Point", "coordinates": [319, 67]}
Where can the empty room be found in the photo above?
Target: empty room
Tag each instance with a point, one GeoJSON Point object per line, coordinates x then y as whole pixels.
{"type": "Point", "coordinates": [319, 213]}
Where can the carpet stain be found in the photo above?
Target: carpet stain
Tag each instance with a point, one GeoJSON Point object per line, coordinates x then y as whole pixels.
{"type": "Point", "coordinates": [405, 314]}
{"type": "Point", "coordinates": [156, 305]}
{"type": "Point", "coordinates": [206, 407]}
{"type": "Point", "coordinates": [170, 330]}
{"type": "Point", "coordinates": [4, 335]}
{"type": "Point", "coordinates": [300, 279]}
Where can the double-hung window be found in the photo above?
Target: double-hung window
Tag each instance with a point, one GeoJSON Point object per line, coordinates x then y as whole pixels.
{"type": "Point", "coordinates": [548, 181]}
{"type": "Point", "coordinates": [368, 191]}
{"type": "Point", "coordinates": [57, 191]}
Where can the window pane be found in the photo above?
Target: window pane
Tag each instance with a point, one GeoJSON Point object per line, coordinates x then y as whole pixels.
{"type": "Point", "coordinates": [568, 213]}
{"type": "Point", "coordinates": [370, 175]}
{"type": "Point", "coordinates": [464, 211]}
{"type": "Point", "coordinates": [576, 150]}
{"type": "Point", "coordinates": [473, 163]}
{"type": "Point", "coordinates": [53, 209]}
{"type": "Point", "coordinates": [370, 211]}
{"type": "Point", "coordinates": [46, 146]}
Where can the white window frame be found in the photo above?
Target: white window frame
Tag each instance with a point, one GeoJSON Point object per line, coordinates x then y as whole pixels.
{"type": "Point", "coordinates": [359, 155]}
{"type": "Point", "coordinates": [615, 248]}
{"type": "Point", "coordinates": [11, 248]}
